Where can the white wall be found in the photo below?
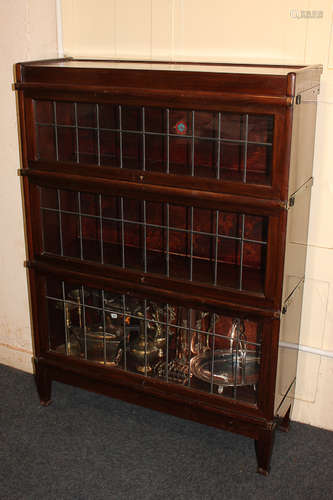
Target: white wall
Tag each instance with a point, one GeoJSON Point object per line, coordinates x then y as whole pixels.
{"type": "Point", "coordinates": [28, 31]}
{"type": "Point", "coordinates": [258, 31]}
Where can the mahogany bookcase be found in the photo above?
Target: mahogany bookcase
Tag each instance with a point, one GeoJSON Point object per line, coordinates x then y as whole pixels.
{"type": "Point", "coordinates": [166, 209]}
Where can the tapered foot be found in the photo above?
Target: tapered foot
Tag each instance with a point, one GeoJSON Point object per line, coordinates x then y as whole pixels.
{"type": "Point", "coordinates": [264, 448]}
{"type": "Point", "coordinates": [46, 403]}
{"type": "Point", "coordinates": [43, 383]}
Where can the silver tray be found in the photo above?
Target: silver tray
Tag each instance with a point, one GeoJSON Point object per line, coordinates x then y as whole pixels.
{"type": "Point", "coordinates": [228, 371]}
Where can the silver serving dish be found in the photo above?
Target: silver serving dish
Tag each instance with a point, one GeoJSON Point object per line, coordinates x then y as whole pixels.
{"type": "Point", "coordinates": [229, 370]}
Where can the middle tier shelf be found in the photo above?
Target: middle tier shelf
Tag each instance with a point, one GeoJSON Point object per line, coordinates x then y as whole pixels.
{"type": "Point", "coordinates": [225, 247]}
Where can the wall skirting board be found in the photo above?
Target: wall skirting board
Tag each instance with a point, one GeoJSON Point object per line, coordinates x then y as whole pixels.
{"type": "Point", "coordinates": [16, 357]}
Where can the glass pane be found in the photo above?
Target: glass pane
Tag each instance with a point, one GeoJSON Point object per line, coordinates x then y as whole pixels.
{"type": "Point", "coordinates": [204, 350]}
{"type": "Point", "coordinates": [56, 325]}
{"type": "Point", "coordinates": [185, 243]}
{"type": "Point", "coordinates": [133, 241]}
{"type": "Point", "coordinates": [205, 158]}
{"type": "Point", "coordinates": [228, 263]}
{"type": "Point", "coordinates": [156, 155]}
{"type": "Point", "coordinates": [206, 124]}
{"type": "Point", "coordinates": [48, 198]}
{"type": "Point", "coordinates": [207, 144]}
{"type": "Point", "coordinates": [255, 228]}
{"type": "Point", "coordinates": [111, 207]}
{"type": "Point", "coordinates": [69, 200]}
{"type": "Point", "coordinates": [180, 155]}
{"type": "Point", "coordinates": [109, 148]}
{"type": "Point", "coordinates": [229, 224]}
{"type": "Point", "coordinates": [133, 209]}
{"type": "Point", "coordinates": [179, 261]}
{"type": "Point", "coordinates": [71, 233]}
{"type": "Point", "coordinates": [46, 143]}
{"type": "Point", "coordinates": [88, 149]}
{"type": "Point", "coordinates": [155, 213]}
{"type": "Point", "coordinates": [233, 126]}
{"type": "Point", "coordinates": [91, 238]}
{"type": "Point", "coordinates": [155, 247]}
{"type": "Point", "coordinates": [203, 258]}
{"type": "Point", "coordinates": [204, 220]}
{"type": "Point", "coordinates": [67, 149]}
{"type": "Point", "coordinates": [89, 203]}
{"type": "Point", "coordinates": [131, 118]}
{"type": "Point", "coordinates": [44, 112]}
{"type": "Point", "coordinates": [132, 151]}
{"type": "Point", "coordinates": [108, 116]}
{"type": "Point", "coordinates": [87, 115]}
{"type": "Point", "coordinates": [259, 164]}
{"type": "Point", "coordinates": [112, 243]}
{"type": "Point", "coordinates": [65, 113]}
{"type": "Point", "coordinates": [260, 128]}
{"type": "Point", "coordinates": [156, 120]}
{"type": "Point", "coordinates": [51, 232]}
{"type": "Point", "coordinates": [253, 275]}
{"type": "Point", "coordinates": [232, 162]}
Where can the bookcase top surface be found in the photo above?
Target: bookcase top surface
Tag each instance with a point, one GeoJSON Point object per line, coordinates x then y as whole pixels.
{"type": "Point", "coordinates": [204, 67]}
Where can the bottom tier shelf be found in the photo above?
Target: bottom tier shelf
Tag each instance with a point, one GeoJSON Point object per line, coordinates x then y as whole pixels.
{"type": "Point", "coordinates": [261, 430]}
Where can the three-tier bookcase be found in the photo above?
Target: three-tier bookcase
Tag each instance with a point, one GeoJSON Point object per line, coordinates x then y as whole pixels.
{"type": "Point", "coordinates": [166, 212]}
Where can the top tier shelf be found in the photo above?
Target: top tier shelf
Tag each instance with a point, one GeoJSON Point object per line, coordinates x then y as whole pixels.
{"type": "Point", "coordinates": [251, 79]}
{"type": "Point", "coordinates": [213, 127]}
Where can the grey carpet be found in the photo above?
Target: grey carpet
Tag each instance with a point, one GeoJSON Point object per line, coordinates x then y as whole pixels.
{"type": "Point", "coordinates": [87, 446]}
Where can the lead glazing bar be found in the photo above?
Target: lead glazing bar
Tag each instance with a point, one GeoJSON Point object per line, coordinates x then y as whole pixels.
{"type": "Point", "coordinates": [144, 237]}
{"type": "Point", "coordinates": [245, 146]}
{"type": "Point", "coordinates": [216, 245]}
{"type": "Point", "coordinates": [98, 137]}
{"type": "Point", "coordinates": [60, 223]}
{"type": "Point", "coordinates": [124, 332]}
{"type": "Point", "coordinates": [158, 226]}
{"type": "Point", "coordinates": [66, 318]}
{"type": "Point", "coordinates": [167, 344]}
{"type": "Point", "coordinates": [80, 224]}
{"type": "Point", "coordinates": [104, 328]}
{"type": "Point", "coordinates": [241, 254]}
{"type": "Point", "coordinates": [193, 145]}
{"type": "Point", "coordinates": [84, 323]}
{"type": "Point", "coordinates": [146, 337]}
{"type": "Point", "coordinates": [162, 134]}
{"type": "Point", "coordinates": [101, 227]}
{"type": "Point", "coordinates": [55, 130]}
{"type": "Point", "coordinates": [76, 134]}
{"type": "Point", "coordinates": [120, 136]}
{"type": "Point", "coordinates": [167, 140]}
{"type": "Point", "coordinates": [218, 159]}
{"type": "Point", "coordinates": [122, 232]}
{"type": "Point", "coordinates": [191, 243]}
{"type": "Point", "coordinates": [167, 240]}
{"type": "Point", "coordinates": [143, 140]}
{"type": "Point", "coordinates": [213, 326]}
